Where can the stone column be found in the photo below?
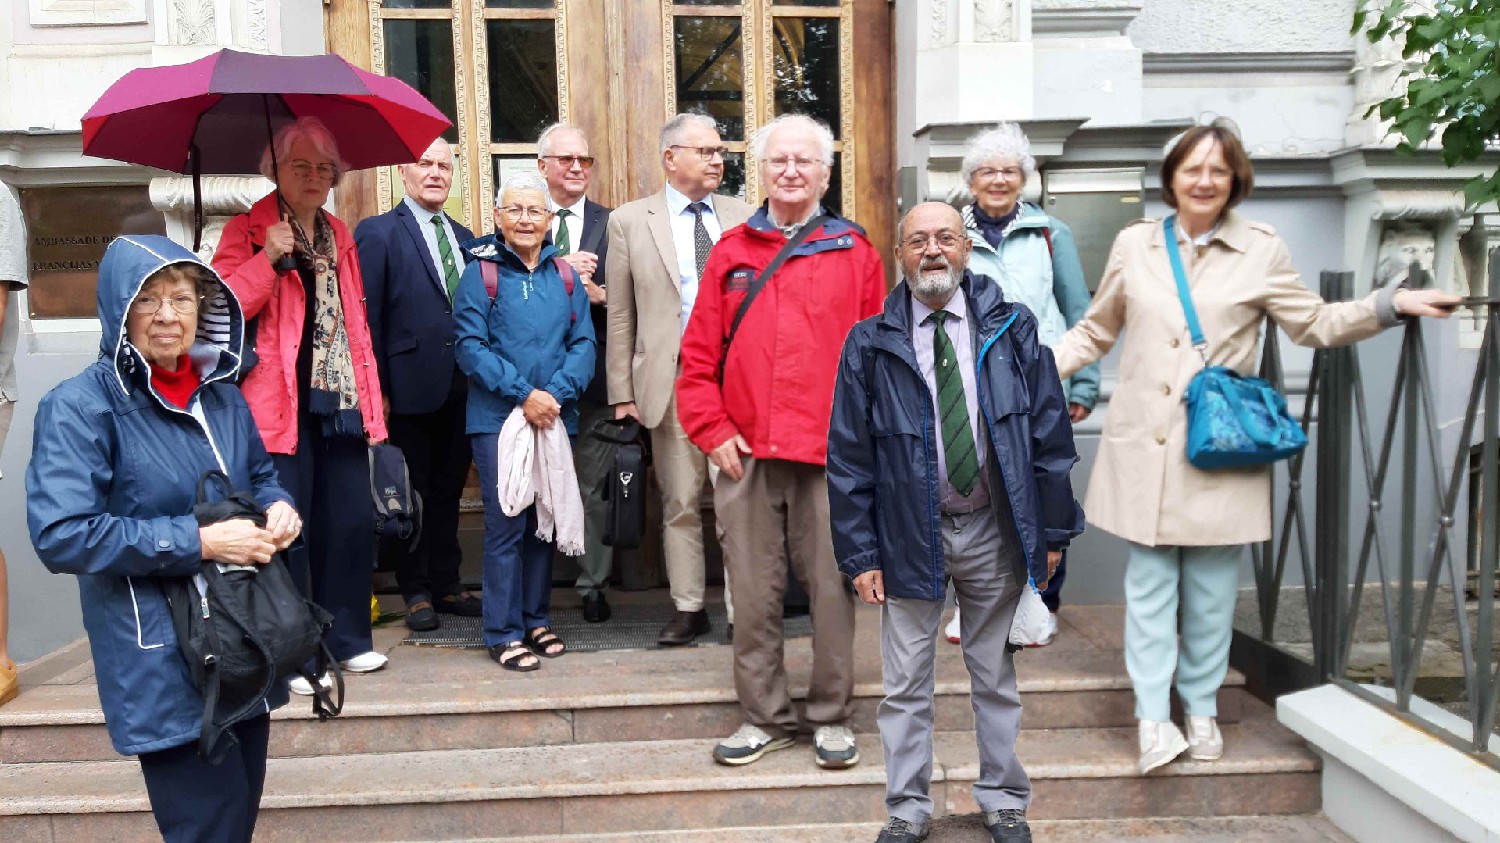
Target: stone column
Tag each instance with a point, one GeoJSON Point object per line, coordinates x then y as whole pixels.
{"type": "Point", "coordinates": [223, 197]}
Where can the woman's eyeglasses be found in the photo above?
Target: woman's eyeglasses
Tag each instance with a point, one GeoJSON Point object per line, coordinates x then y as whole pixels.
{"type": "Point", "coordinates": [149, 305]}
{"type": "Point", "coordinates": [515, 212]}
{"type": "Point", "coordinates": [306, 169]}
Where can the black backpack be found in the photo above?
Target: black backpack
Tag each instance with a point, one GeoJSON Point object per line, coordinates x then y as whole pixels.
{"type": "Point", "coordinates": [625, 488]}
{"type": "Point", "coordinates": [398, 507]}
{"type": "Point", "coordinates": [245, 630]}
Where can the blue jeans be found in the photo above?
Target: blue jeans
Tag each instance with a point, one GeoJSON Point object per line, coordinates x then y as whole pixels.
{"type": "Point", "coordinates": [194, 801]}
{"type": "Point", "coordinates": [517, 590]}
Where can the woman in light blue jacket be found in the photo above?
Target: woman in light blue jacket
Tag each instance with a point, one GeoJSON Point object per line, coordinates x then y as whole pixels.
{"type": "Point", "coordinates": [1033, 258]}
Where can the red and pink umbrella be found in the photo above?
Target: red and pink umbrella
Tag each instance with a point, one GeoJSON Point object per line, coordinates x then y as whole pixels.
{"type": "Point", "coordinates": [216, 115]}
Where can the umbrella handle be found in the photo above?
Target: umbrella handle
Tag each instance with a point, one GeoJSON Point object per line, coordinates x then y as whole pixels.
{"type": "Point", "coordinates": [193, 156]}
{"type": "Point", "coordinates": [285, 263]}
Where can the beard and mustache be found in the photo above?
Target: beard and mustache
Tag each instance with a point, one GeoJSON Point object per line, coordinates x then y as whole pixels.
{"type": "Point", "coordinates": [932, 285]}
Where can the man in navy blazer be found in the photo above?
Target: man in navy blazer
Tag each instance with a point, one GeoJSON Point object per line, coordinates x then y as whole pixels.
{"type": "Point", "coordinates": [578, 231]}
{"type": "Point", "coordinates": [411, 263]}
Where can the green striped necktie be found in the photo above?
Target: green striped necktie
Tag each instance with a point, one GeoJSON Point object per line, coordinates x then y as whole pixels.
{"type": "Point", "coordinates": [445, 255]}
{"type": "Point", "coordinates": [953, 411]}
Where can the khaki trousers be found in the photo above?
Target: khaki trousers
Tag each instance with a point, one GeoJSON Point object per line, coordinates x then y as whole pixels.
{"type": "Point", "coordinates": [681, 470]}
{"type": "Point", "coordinates": [781, 506]}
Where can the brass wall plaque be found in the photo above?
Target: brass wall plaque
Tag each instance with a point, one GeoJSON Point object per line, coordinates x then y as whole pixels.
{"type": "Point", "coordinates": [67, 231]}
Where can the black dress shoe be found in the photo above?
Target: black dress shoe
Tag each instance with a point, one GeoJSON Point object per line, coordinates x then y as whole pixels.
{"type": "Point", "coordinates": [683, 628]}
{"type": "Point", "coordinates": [898, 830]}
{"type": "Point", "coordinates": [419, 614]}
{"type": "Point", "coordinates": [595, 607]}
{"type": "Point", "coordinates": [465, 605]}
{"type": "Point", "coordinates": [729, 632]}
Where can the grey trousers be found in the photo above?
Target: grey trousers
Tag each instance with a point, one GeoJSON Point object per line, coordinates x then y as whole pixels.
{"type": "Point", "coordinates": [983, 569]}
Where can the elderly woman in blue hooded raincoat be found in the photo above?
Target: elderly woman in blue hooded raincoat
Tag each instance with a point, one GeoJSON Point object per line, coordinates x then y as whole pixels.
{"type": "Point", "coordinates": [117, 454]}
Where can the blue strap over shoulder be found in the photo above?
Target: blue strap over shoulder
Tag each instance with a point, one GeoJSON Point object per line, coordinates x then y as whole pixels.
{"type": "Point", "coordinates": [1169, 228]}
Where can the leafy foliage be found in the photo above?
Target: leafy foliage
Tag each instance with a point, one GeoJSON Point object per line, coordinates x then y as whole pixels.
{"type": "Point", "coordinates": [1456, 90]}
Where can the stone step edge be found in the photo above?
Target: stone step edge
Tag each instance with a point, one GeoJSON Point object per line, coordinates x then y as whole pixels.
{"type": "Point", "coordinates": [76, 715]}
{"type": "Point", "coordinates": [749, 778]}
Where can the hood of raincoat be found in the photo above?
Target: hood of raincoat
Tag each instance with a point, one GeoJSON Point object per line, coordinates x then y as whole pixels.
{"type": "Point", "coordinates": [127, 263]}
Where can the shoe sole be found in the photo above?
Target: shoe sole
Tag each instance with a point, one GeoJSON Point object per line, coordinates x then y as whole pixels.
{"type": "Point", "coordinates": [348, 669]}
{"type": "Point", "coordinates": [778, 743]}
{"type": "Point", "coordinates": [423, 627]}
{"type": "Point", "coordinates": [829, 764]}
{"type": "Point", "coordinates": [1203, 756]}
{"type": "Point", "coordinates": [1166, 758]}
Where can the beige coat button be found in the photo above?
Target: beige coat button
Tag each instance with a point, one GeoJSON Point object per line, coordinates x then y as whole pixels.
{"type": "Point", "coordinates": [1161, 440]}
{"type": "Point", "coordinates": [1174, 342]}
{"type": "Point", "coordinates": [1166, 390]}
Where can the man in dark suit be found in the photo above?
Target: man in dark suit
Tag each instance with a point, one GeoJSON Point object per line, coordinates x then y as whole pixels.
{"type": "Point", "coordinates": [578, 232]}
{"type": "Point", "coordinates": [411, 263]}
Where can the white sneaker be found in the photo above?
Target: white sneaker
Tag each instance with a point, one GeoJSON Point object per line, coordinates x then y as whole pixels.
{"type": "Point", "coordinates": [1051, 632]}
{"type": "Point", "coordinates": [834, 748]}
{"type": "Point", "coordinates": [365, 662]}
{"type": "Point", "coordinates": [1160, 743]}
{"type": "Point", "coordinates": [747, 744]}
{"type": "Point", "coordinates": [951, 631]}
{"type": "Point", "coordinates": [302, 687]}
{"type": "Point", "coordinates": [1205, 741]}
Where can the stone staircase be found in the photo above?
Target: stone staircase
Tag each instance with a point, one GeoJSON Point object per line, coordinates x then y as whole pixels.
{"type": "Point", "coordinates": [614, 746]}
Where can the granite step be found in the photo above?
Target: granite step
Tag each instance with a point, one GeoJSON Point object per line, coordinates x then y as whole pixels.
{"type": "Point", "coordinates": [449, 699]}
{"type": "Point", "coordinates": [969, 829]}
{"type": "Point", "coordinates": [669, 785]}
{"type": "Point", "coordinates": [454, 699]}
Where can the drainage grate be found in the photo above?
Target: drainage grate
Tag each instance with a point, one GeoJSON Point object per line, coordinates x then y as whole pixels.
{"type": "Point", "coordinates": [631, 627]}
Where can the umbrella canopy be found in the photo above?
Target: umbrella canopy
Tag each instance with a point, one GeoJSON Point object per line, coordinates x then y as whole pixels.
{"type": "Point", "coordinates": [228, 104]}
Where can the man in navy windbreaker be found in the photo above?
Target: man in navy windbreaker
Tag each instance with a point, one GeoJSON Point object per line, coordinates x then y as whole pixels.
{"type": "Point", "coordinates": [949, 452]}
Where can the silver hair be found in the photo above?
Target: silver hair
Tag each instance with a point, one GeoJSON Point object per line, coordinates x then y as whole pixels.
{"type": "Point", "coordinates": [314, 132]}
{"type": "Point", "coordinates": [1005, 141]}
{"type": "Point", "coordinates": [521, 181]}
{"type": "Point", "coordinates": [544, 140]}
{"type": "Point", "coordinates": [671, 131]}
{"type": "Point", "coordinates": [818, 128]}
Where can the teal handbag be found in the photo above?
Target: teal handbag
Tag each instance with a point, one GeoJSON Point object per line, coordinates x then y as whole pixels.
{"type": "Point", "coordinates": [1233, 420]}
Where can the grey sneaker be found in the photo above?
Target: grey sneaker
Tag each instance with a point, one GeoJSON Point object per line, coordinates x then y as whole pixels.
{"type": "Point", "coordinates": [747, 744]}
{"type": "Point", "coordinates": [834, 747]}
{"type": "Point", "coordinates": [1008, 825]}
{"type": "Point", "coordinates": [898, 830]}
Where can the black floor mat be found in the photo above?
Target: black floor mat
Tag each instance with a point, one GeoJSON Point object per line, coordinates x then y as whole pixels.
{"type": "Point", "coordinates": [632, 627]}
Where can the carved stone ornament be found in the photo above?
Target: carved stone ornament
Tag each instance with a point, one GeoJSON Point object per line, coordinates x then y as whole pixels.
{"type": "Point", "coordinates": [1401, 245]}
{"type": "Point", "coordinates": [938, 22]}
{"type": "Point", "coordinates": [191, 23]}
{"type": "Point", "coordinates": [1431, 205]}
{"type": "Point", "coordinates": [223, 197]}
{"type": "Point", "coordinates": [994, 21]}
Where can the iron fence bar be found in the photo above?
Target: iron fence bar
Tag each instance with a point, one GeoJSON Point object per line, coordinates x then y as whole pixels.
{"type": "Point", "coordinates": [1406, 562]}
{"type": "Point", "coordinates": [1332, 508]}
{"type": "Point", "coordinates": [1486, 696]}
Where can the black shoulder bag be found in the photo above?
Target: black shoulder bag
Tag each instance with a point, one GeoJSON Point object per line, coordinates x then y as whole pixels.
{"type": "Point", "coordinates": [760, 283]}
{"type": "Point", "coordinates": [245, 630]}
{"type": "Point", "coordinates": [625, 488]}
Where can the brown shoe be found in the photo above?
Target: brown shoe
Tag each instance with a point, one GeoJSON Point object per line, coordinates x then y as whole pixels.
{"type": "Point", "coordinates": [683, 628]}
{"type": "Point", "coordinates": [9, 686]}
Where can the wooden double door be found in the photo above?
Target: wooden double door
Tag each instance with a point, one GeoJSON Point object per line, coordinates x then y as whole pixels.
{"type": "Point", "coordinates": [505, 69]}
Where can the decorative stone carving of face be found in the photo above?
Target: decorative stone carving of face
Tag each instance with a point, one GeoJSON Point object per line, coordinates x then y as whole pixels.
{"type": "Point", "coordinates": [1401, 245]}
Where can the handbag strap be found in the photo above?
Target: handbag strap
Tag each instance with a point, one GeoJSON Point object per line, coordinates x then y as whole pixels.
{"type": "Point", "coordinates": [1169, 228]}
{"type": "Point", "coordinates": [760, 282]}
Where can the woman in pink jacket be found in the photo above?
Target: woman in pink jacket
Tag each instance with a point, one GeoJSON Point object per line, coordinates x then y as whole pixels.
{"type": "Point", "coordinates": [312, 384]}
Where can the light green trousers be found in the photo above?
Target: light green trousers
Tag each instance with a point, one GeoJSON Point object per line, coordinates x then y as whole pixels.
{"type": "Point", "coordinates": [1197, 584]}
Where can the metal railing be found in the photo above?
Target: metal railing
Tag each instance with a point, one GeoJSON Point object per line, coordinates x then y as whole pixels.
{"type": "Point", "coordinates": [1352, 458]}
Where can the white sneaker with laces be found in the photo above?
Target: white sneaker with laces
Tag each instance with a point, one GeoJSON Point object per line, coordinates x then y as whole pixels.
{"type": "Point", "coordinates": [1205, 741]}
{"type": "Point", "coordinates": [833, 747]}
{"type": "Point", "coordinates": [951, 631]}
{"type": "Point", "coordinates": [747, 744]}
{"type": "Point", "coordinates": [1160, 743]}
{"type": "Point", "coordinates": [365, 662]}
{"type": "Point", "coordinates": [303, 688]}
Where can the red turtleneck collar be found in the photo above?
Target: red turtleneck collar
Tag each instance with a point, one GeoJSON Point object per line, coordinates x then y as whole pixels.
{"type": "Point", "coordinates": [177, 386]}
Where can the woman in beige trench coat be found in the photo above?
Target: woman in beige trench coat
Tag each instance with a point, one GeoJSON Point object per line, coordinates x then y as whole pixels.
{"type": "Point", "coordinates": [1187, 527]}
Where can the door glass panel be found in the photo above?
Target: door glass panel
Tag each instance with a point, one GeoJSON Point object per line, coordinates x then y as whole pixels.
{"type": "Point", "coordinates": [805, 55]}
{"type": "Point", "coordinates": [518, 4]}
{"type": "Point", "coordinates": [416, 4]}
{"type": "Point", "coordinates": [831, 4]}
{"type": "Point", "coordinates": [420, 53]}
{"type": "Point", "coordinates": [733, 182]}
{"type": "Point", "coordinates": [711, 71]}
{"type": "Point", "coordinates": [522, 79]}
{"type": "Point", "coordinates": [833, 200]}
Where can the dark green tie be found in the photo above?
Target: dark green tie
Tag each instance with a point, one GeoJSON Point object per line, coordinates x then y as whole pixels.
{"type": "Point", "coordinates": [445, 255]}
{"type": "Point", "coordinates": [953, 410]}
{"type": "Point", "coordinates": [561, 241]}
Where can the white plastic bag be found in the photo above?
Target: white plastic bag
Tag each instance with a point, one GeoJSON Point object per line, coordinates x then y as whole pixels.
{"type": "Point", "coordinates": [1032, 623]}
